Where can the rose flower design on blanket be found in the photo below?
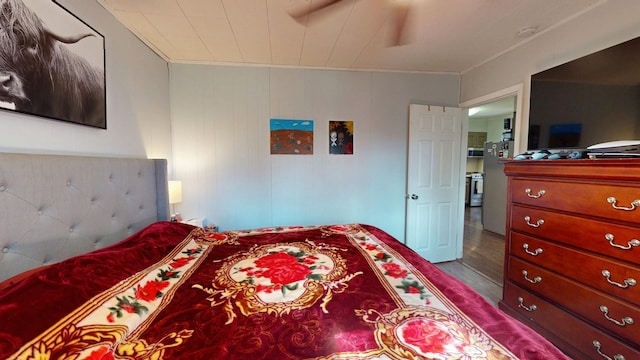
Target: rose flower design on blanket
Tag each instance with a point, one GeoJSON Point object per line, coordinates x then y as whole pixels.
{"type": "Point", "coordinates": [277, 278]}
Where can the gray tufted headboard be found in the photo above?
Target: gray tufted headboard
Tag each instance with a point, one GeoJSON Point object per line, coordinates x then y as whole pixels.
{"type": "Point", "coordinates": [53, 207]}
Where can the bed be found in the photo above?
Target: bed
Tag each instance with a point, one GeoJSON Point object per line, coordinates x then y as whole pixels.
{"type": "Point", "coordinates": [176, 291]}
{"type": "Point", "coordinates": [53, 207]}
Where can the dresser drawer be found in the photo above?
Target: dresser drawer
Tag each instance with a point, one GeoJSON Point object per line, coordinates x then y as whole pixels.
{"type": "Point", "coordinates": [606, 274]}
{"type": "Point", "coordinates": [590, 341]}
{"type": "Point", "coordinates": [618, 241]}
{"type": "Point", "coordinates": [603, 200]}
{"type": "Point", "coordinates": [604, 311]}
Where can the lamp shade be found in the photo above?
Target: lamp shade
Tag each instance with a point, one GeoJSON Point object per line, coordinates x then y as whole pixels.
{"type": "Point", "coordinates": [175, 191]}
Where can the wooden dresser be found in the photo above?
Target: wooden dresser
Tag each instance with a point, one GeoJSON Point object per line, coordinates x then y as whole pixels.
{"type": "Point", "coordinates": [572, 259]}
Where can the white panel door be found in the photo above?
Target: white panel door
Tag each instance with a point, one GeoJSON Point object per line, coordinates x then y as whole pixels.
{"type": "Point", "coordinates": [433, 181]}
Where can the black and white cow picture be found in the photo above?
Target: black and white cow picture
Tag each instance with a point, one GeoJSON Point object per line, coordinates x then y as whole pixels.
{"type": "Point", "coordinates": [40, 75]}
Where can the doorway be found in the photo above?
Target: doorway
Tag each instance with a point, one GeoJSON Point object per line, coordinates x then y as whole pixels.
{"type": "Point", "coordinates": [481, 248]}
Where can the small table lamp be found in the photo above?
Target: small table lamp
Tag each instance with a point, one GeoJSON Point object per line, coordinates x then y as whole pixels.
{"type": "Point", "coordinates": [175, 196]}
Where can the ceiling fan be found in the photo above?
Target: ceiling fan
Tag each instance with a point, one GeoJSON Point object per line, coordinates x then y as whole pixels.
{"type": "Point", "coordinates": [399, 12]}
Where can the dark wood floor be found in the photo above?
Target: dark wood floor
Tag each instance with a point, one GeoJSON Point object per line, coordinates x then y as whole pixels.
{"type": "Point", "coordinates": [483, 258]}
{"type": "Point", "coordinates": [482, 250]}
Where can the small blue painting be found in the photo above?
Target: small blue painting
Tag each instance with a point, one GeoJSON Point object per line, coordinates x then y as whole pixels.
{"type": "Point", "coordinates": [291, 136]}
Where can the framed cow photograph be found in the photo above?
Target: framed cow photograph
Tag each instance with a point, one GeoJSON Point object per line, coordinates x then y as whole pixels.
{"type": "Point", "coordinates": [52, 64]}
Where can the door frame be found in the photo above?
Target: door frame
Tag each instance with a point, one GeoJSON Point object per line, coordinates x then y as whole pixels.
{"type": "Point", "coordinates": [521, 126]}
{"type": "Point", "coordinates": [519, 137]}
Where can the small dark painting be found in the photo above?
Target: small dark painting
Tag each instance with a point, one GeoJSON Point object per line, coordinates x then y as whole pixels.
{"type": "Point", "coordinates": [341, 137]}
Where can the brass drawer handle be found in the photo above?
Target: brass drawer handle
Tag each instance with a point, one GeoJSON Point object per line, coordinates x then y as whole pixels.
{"type": "Point", "coordinates": [535, 280]}
{"type": "Point", "coordinates": [623, 322]}
{"type": "Point", "coordinates": [537, 224]}
{"type": "Point", "coordinates": [611, 200]}
{"type": "Point", "coordinates": [630, 244]}
{"type": "Point", "coordinates": [539, 195]}
{"type": "Point", "coordinates": [627, 282]}
{"type": "Point", "coordinates": [535, 252]}
{"type": "Point", "coordinates": [523, 306]}
{"type": "Point", "coordinates": [598, 346]}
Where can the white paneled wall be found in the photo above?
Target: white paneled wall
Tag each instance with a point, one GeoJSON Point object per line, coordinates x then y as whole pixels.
{"type": "Point", "coordinates": [220, 126]}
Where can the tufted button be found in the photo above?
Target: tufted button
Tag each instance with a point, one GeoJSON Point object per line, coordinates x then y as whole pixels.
{"type": "Point", "coordinates": [110, 177]}
{"type": "Point", "coordinates": [68, 182]}
{"type": "Point", "coordinates": [71, 229]}
{"type": "Point", "coordinates": [3, 188]}
{"type": "Point", "coordinates": [139, 174]}
{"type": "Point", "coordinates": [5, 250]}
{"type": "Point", "coordinates": [113, 217]}
{"type": "Point", "coordinates": [93, 201]}
{"type": "Point", "coordinates": [40, 211]}
{"type": "Point", "coordinates": [141, 207]}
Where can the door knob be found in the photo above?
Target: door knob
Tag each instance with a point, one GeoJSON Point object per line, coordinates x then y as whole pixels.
{"type": "Point", "coordinates": [414, 197]}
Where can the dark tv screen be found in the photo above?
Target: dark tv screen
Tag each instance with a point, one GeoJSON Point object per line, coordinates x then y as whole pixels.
{"type": "Point", "coordinates": [587, 101]}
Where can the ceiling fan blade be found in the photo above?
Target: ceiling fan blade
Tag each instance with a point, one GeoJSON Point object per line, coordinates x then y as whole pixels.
{"type": "Point", "coordinates": [398, 32]}
{"type": "Point", "coordinates": [315, 5]}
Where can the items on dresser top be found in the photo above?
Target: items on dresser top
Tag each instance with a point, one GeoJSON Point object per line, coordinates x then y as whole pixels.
{"type": "Point", "coordinates": [572, 262]}
{"type": "Point", "coordinates": [546, 154]}
{"type": "Point", "coordinates": [616, 147]}
{"type": "Point", "coordinates": [610, 149]}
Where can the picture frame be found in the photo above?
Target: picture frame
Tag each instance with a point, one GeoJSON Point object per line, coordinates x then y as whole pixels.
{"type": "Point", "coordinates": [52, 65]}
{"type": "Point", "coordinates": [341, 137]}
{"type": "Point", "coordinates": [291, 137]}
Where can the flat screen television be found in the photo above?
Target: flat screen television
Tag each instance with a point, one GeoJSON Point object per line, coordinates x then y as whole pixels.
{"type": "Point", "coordinates": [587, 101]}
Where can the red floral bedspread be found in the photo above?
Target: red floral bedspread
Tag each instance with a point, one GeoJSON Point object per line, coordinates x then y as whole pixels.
{"type": "Point", "coordinates": [328, 292]}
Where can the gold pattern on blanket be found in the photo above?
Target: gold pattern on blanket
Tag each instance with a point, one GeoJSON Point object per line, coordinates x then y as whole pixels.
{"type": "Point", "coordinates": [343, 229]}
{"type": "Point", "coordinates": [278, 278]}
{"type": "Point", "coordinates": [105, 326]}
{"type": "Point", "coordinates": [424, 332]}
{"type": "Point", "coordinates": [205, 237]}
{"type": "Point", "coordinates": [96, 341]}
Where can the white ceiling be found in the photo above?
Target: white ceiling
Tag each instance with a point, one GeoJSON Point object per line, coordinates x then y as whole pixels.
{"type": "Point", "coordinates": [446, 35]}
